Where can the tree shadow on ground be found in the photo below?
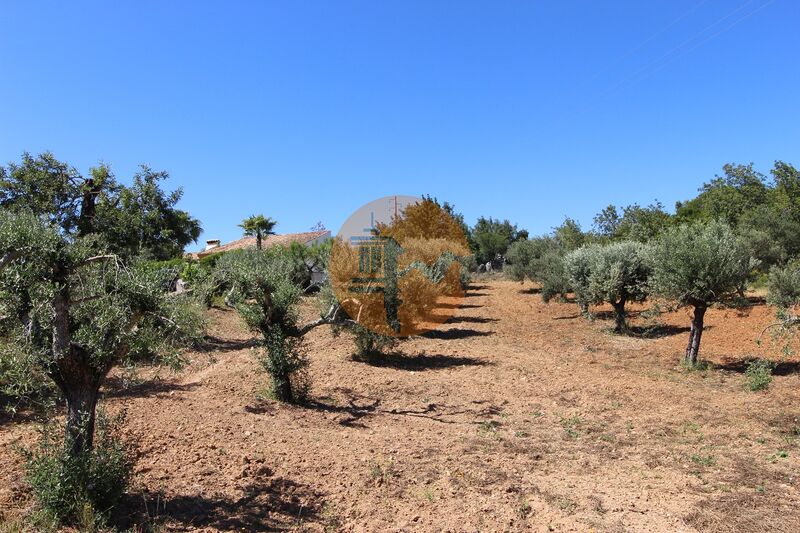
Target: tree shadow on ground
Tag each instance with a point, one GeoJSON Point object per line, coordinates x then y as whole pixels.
{"type": "Point", "coordinates": [659, 331]}
{"type": "Point", "coordinates": [471, 320]}
{"type": "Point", "coordinates": [269, 503]}
{"type": "Point", "coordinates": [261, 408]}
{"type": "Point", "coordinates": [745, 306]}
{"type": "Point", "coordinates": [739, 366]}
{"type": "Point", "coordinates": [421, 362]}
{"type": "Point", "coordinates": [437, 412]}
{"type": "Point", "coordinates": [23, 415]}
{"type": "Point", "coordinates": [115, 387]}
{"type": "Point", "coordinates": [455, 333]}
{"type": "Point", "coordinates": [479, 287]}
{"type": "Point", "coordinates": [458, 306]}
{"type": "Point", "coordinates": [531, 290]}
{"type": "Point", "coordinates": [217, 344]}
{"type": "Point", "coordinates": [609, 315]}
{"type": "Point", "coordinates": [746, 302]}
{"type": "Point", "coordinates": [353, 412]}
{"type": "Point", "coordinates": [568, 317]}
{"type": "Point", "coordinates": [358, 408]}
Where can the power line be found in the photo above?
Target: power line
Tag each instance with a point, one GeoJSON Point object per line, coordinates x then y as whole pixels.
{"type": "Point", "coordinates": [651, 37]}
{"type": "Point", "coordinates": [665, 58]}
{"type": "Point", "coordinates": [673, 54]}
{"type": "Point", "coordinates": [715, 35]}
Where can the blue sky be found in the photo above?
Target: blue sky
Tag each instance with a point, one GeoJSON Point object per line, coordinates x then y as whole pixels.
{"type": "Point", "coordinates": [303, 111]}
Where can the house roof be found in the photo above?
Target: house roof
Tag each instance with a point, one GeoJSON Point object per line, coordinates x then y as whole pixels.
{"type": "Point", "coordinates": [270, 240]}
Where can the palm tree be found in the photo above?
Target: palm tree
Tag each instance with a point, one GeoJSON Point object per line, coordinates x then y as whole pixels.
{"type": "Point", "coordinates": [259, 226]}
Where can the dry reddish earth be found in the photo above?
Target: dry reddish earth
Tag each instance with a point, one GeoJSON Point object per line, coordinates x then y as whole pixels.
{"type": "Point", "coordinates": [515, 416]}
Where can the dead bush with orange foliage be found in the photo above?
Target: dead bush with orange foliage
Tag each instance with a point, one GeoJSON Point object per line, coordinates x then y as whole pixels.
{"type": "Point", "coordinates": [406, 278]}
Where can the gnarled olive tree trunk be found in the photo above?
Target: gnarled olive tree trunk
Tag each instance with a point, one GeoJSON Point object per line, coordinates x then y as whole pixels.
{"type": "Point", "coordinates": [693, 349]}
{"type": "Point", "coordinates": [80, 382]}
{"type": "Point", "coordinates": [74, 372]}
{"type": "Point", "coordinates": [620, 325]}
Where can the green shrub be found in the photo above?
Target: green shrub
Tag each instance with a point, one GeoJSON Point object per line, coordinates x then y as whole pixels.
{"type": "Point", "coordinates": [209, 262]}
{"type": "Point", "coordinates": [784, 286]}
{"type": "Point", "coordinates": [524, 258]}
{"type": "Point", "coordinates": [370, 343]}
{"type": "Point", "coordinates": [76, 489]}
{"type": "Point", "coordinates": [759, 374]}
{"type": "Point", "coordinates": [191, 272]}
{"type": "Point", "coordinates": [468, 265]}
{"type": "Point", "coordinates": [163, 337]}
{"type": "Point", "coordinates": [553, 277]}
{"type": "Point", "coordinates": [784, 293]}
{"type": "Point", "coordinates": [307, 259]}
{"type": "Point", "coordinates": [541, 261]}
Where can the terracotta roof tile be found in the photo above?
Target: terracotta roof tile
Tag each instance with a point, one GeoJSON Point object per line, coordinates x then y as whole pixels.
{"type": "Point", "coordinates": [270, 240]}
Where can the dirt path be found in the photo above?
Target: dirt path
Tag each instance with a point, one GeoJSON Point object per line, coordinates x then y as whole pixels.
{"type": "Point", "coordinates": [517, 416]}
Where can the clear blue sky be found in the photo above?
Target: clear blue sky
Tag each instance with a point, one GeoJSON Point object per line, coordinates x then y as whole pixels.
{"type": "Point", "coordinates": [305, 110]}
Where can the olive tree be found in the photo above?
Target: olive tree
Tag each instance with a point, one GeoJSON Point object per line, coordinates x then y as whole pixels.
{"type": "Point", "coordinates": [77, 310]}
{"type": "Point", "coordinates": [698, 265]}
{"type": "Point", "coordinates": [617, 274]}
{"type": "Point", "coordinates": [264, 292]}
{"type": "Point", "coordinates": [266, 289]}
{"type": "Point", "coordinates": [76, 299]}
{"type": "Point", "coordinates": [578, 266]}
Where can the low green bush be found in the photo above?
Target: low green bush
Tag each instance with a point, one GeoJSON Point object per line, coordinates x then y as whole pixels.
{"type": "Point", "coordinates": [784, 286]}
{"type": "Point", "coordinates": [77, 490]}
{"type": "Point", "coordinates": [540, 260]}
{"type": "Point", "coordinates": [468, 265]}
{"type": "Point", "coordinates": [370, 344]}
{"type": "Point", "coordinates": [758, 375]}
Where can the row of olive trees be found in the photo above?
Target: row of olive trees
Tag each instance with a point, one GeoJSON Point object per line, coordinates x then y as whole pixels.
{"type": "Point", "coordinates": [692, 265]}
